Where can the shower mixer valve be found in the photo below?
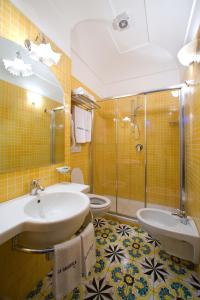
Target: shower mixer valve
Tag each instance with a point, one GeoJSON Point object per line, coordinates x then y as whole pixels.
{"type": "Point", "coordinates": [139, 147]}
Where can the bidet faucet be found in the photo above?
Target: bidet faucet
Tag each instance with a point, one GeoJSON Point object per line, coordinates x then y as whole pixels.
{"type": "Point", "coordinates": [182, 215]}
{"type": "Point", "coordinates": [35, 187]}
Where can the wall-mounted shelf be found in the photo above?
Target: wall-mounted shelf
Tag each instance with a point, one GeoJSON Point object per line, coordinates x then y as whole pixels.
{"type": "Point", "coordinates": [84, 102]}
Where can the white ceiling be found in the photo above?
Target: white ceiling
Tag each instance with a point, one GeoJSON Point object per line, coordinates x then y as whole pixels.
{"type": "Point", "coordinates": [114, 63]}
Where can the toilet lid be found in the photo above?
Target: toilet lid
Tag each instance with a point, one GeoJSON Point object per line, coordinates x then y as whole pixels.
{"type": "Point", "coordinates": [77, 176]}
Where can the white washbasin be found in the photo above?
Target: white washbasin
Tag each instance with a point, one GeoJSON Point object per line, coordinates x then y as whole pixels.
{"type": "Point", "coordinates": [53, 218]}
{"type": "Point", "coordinates": [56, 207]}
{"type": "Point", "coordinates": [50, 221]}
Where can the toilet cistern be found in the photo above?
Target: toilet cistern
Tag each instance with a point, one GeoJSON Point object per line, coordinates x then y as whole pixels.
{"type": "Point", "coordinates": [36, 187]}
{"type": "Point", "coordinates": [99, 205]}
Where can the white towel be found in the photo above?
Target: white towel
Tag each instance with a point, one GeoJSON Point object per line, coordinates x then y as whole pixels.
{"type": "Point", "coordinates": [73, 141]}
{"type": "Point", "coordinates": [79, 123]}
{"type": "Point", "coordinates": [88, 126]}
{"type": "Point", "coordinates": [88, 249]}
{"type": "Point", "coordinates": [67, 269]}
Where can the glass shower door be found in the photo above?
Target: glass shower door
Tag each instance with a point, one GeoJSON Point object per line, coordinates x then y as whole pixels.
{"type": "Point", "coordinates": [130, 148]}
{"type": "Point", "coordinates": [104, 152]}
{"type": "Point", "coordinates": [163, 150]}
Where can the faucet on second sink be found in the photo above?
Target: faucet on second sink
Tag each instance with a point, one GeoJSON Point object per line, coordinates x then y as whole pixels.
{"type": "Point", "coordinates": [35, 187]}
{"type": "Point", "coordinates": [182, 215]}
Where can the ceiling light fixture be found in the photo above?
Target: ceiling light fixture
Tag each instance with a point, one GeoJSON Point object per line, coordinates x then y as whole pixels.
{"type": "Point", "coordinates": [122, 22]}
{"type": "Point", "coordinates": [42, 52]}
{"type": "Point", "coordinates": [190, 53]}
{"type": "Point", "coordinates": [17, 66]}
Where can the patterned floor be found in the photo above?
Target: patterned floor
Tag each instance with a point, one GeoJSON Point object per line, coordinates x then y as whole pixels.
{"type": "Point", "coordinates": [130, 265]}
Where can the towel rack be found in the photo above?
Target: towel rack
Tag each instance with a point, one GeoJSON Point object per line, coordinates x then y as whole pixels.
{"type": "Point", "coordinates": [84, 102]}
{"type": "Point", "coordinates": [21, 248]}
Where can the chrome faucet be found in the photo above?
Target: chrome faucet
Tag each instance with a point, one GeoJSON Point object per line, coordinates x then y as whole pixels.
{"type": "Point", "coordinates": [182, 215]}
{"type": "Point", "coordinates": [35, 187]}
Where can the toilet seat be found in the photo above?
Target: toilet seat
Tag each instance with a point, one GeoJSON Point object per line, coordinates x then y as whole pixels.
{"type": "Point", "coordinates": [99, 202]}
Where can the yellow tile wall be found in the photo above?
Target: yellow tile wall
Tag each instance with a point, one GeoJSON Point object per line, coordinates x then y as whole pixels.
{"type": "Point", "coordinates": [130, 162]}
{"type": "Point", "coordinates": [104, 149]}
{"type": "Point", "coordinates": [81, 159]}
{"type": "Point", "coordinates": [19, 273]}
{"type": "Point", "coordinates": [162, 149]}
{"type": "Point", "coordinates": [192, 144]}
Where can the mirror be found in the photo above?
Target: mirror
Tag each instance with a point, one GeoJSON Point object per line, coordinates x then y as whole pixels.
{"type": "Point", "coordinates": [32, 114]}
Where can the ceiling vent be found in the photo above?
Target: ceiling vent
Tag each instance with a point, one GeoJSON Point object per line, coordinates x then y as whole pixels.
{"type": "Point", "coordinates": [122, 22]}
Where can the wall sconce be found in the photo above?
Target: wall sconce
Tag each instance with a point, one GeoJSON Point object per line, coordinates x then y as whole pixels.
{"type": "Point", "coordinates": [34, 99]}
{"type": "Point", "coordinates": [17, 66]}
{"type": "Point", "coordinates": [189, 53]}
{"type": "Point", "coordinates": [42, 52]}
{"type": "Point", "coordinates": [126, 119]}
{"type": "Point", "coordinates": [191, 82]}
{"type": "Point", "coordinates": [175, 93]}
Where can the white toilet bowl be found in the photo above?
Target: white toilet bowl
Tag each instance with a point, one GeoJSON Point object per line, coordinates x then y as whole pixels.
{"type": "Point", "coordinates": [176, 238]}
{"type": "Point", "coordinates": [99, 205]}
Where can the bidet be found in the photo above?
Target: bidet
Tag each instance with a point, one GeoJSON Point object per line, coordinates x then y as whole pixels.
{"type": "Point", "coordinates": [177, 238]}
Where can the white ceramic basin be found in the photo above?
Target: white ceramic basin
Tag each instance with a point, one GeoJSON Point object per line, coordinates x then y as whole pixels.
{"type": "Point", "coordinates": [159, 217]}
{"type": "Point", "coordinates": [53, 218]}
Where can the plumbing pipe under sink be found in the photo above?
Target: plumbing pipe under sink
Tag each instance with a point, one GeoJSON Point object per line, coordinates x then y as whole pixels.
{"type": "Point", "coordinates": [182, 240]}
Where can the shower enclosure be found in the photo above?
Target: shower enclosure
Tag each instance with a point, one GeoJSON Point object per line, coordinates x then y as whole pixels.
{"type": "Point", "coordinates": [136, 151]}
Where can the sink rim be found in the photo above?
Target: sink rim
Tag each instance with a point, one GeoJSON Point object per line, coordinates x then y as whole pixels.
{"type": "Point", "coordinates": [40, 221]}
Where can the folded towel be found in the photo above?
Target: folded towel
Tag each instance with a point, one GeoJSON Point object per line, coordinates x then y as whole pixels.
{"type": "Point", "coordinates": [88, 249]}
{"type": "Point", "coordinates": [67, 268]}
{"type": "Point", "coordinates": [88, 126]}
{"type": "Point", "coordinates": [73, 141]}
{"type": "Point", "coordinates": [79, 124]}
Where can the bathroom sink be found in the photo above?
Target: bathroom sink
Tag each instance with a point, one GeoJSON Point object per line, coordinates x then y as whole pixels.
{"type": "Point", "coordinates": [53, 217]}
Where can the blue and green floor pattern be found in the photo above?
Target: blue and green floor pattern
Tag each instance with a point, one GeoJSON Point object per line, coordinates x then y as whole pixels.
{"type": "Point", "coordinates": [130, 265]}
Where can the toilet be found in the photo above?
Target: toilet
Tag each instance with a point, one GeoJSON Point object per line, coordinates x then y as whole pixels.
{"type": "Point", "coordinates": [99, 205]}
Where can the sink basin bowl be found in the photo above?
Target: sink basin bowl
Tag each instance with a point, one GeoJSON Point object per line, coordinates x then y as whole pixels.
{"type": "Point", "coordinates": [53, 218]}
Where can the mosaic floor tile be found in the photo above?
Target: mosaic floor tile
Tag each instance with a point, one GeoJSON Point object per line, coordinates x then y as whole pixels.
{"type": "Point", "coordinates": [130, 265]}
{"type": "Point", "coordinates": [129, 282]}
{"type": "Point", "coordinates": [174, 289]}
{"type": "Point", "coordinates": [99, 289]}
{"type": "Point", "coordinates": [137, 248]}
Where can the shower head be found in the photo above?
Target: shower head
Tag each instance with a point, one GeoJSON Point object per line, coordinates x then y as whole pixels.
{"type": "Point", "coordinates": [139, 106]}
{"type": "Point", "coordinates": [136, 109]}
